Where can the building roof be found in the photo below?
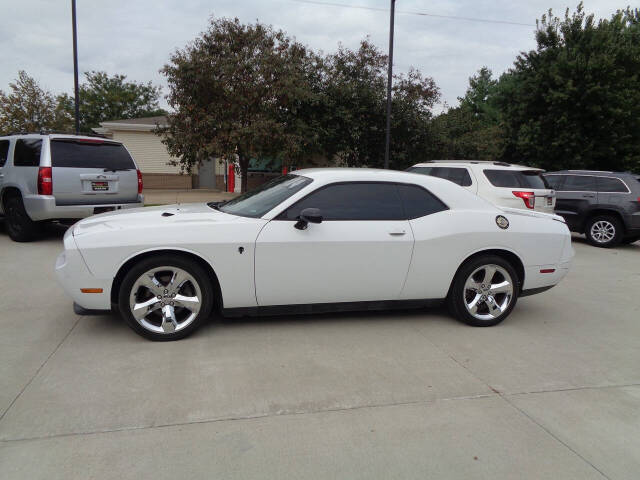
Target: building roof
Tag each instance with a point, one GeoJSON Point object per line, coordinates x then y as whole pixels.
{"type": "Point", "coordinates": [158, 120]}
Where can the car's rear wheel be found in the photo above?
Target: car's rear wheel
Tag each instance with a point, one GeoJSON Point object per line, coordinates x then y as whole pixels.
{"type": "Point", "coordinates": [604, 231]}
{"type": "Point", "coordinates": [166, 298]}
{"type": "Point", "coordinates": [19, 225]}
{"type": "Point", "coordinates": [484, 291]}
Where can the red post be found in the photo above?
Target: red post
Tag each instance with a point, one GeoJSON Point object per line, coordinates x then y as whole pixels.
{"type": "Point", "coordinates": [231, 178]}
{"type": "Point", "coordinates": [284, 169]}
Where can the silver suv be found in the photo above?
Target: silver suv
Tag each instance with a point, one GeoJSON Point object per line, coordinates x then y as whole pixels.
{"type": "Point", "coordinates": [63, 177]}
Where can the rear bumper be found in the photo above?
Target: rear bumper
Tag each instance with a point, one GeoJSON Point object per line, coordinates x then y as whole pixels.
{"type": "Point", "coordinates": [74, 275]}
{"type": "Point", "coordinates": [43, 207]}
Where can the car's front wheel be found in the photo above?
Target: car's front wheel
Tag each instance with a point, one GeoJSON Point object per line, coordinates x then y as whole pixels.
{"type": "Point", "coordinates": [166, 298]}
{"type": "Point", "coordinates": [484, 291]}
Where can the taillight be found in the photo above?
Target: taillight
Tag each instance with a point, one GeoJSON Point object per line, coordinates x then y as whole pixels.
{"type": "Point", "coordinates": [528, 198]}
{"type": "Point", "coordinates": [45, 181]}
{"type": "Point", "coordinates": [139, 181]}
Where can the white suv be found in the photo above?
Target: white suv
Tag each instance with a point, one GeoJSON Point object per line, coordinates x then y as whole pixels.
{"type": "Point", "coordinates": [500, 183]}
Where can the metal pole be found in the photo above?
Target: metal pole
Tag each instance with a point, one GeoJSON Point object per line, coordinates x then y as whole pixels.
{"type": "Point", "coordinates": [389, 80]}
{"type": "Point", "coordinates": [75, 66]}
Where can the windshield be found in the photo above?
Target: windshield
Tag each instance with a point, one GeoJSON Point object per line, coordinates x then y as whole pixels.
{"type": "Point", "coordinates": [267, 196]}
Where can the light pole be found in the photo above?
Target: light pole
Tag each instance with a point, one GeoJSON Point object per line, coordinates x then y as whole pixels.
{"type": "Point", "coordinates": [75, 66]}
{"type": "Point", "coordinates": [389, 80]}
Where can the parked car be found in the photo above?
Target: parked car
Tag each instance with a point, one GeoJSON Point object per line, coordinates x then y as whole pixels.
{"type": "Point", "coordinates": [501, 183]}
{"type": "Point", "coordinates": [62, 177]}
{"type": "Point", "coordinates": [314, 241]}
{"type": "Point", "coordinates": [605, 206]}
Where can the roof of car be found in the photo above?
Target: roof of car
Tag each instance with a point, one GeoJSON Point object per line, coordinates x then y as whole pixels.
{"type": "Point", "coordinates": [355, 174]}
{"type": "Point", "coordinates": [57, 135]}
{"type": "Point", "coordinates": [601, 173]}
{"type": "Point", "coordinates": [431, 163]}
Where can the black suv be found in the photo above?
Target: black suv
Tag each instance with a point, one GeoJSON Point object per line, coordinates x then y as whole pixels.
{"type": "Point", "coordinates": [605, 206]}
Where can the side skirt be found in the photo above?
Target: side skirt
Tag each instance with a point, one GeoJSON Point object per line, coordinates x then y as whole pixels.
{"type": "Point", "coordinates": [533, 291]}
{"type": "Point", "coordinates": [315, 308]}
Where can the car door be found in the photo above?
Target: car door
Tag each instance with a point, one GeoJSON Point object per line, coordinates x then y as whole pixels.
{"type": "Point", "coordinates": [360, 252]}
{"type": "Point", "coordinates": [574, 199]}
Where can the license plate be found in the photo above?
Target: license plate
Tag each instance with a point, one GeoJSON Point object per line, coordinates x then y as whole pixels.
{"type": "Point", "coordinates": [99, 186]}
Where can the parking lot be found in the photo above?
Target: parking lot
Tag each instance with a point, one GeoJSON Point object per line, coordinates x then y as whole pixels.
{"type": "Point", "coordinates": [553, 392]}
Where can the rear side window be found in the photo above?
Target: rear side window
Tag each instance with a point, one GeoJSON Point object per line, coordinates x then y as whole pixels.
{"type": "Point", "coordinates": [554, 181]}
{"type": "Point", "coordinates": [516, 179]}
{"type": "Point", "coordinates": [4, 152]}
{"type": "Point", "coordinates": [90, 154]}
{"type": "Point", "coordinates": [611, 185]}
{"type": "Point", "coordinates": [351, 201]}
{"type": "Point", "coordinates": [418, 202]}
{"type": "Point", "coordinates": [456, 175]}
{"type": "Point", "coordinates": [579, 183]}
{"type": "Point", "coordinates": [27, 152]}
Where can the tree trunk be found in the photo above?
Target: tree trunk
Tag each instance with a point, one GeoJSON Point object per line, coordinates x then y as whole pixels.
{"type": "Point", "coordinates": [244, 169]}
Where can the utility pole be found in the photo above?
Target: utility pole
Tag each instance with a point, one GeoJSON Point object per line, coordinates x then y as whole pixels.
{"type": "Point", "coordinates": [389, 80]}
{"type": "Point", "coordinates": [75, 66]}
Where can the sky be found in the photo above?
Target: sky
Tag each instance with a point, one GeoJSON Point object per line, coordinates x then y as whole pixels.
{"type": "Point", "coordinates": [136, 37]}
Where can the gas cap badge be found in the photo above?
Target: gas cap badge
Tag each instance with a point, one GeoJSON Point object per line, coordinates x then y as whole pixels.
{"type": "Point", "coordinates": [502, 222]}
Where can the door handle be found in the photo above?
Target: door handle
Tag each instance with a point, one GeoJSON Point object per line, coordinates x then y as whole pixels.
{"type": "Point", "coordinates": [397, 233]}
{"type": "Point", "coordinates": [589, 195]}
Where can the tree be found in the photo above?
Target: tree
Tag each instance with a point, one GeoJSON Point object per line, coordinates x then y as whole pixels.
{"type": "Point", "coordinates": [574, 102]}
{"type": "Point", "coordinates": [472, 130]}
{"type": "Point", "coordinates": [29, 108]}
{"type": "Point", "coordinates": [104, 97]}
{"type": "Point", "coordinates": [353, 109]}
{"type": "Point", "coordinates": [237, 90]}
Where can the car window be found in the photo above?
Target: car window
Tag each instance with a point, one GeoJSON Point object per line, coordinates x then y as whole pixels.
{"type": "Point", "coordinates": [579, 183]}
{"type": "Point", "coordinates": [554, 181]}
{"type": "Point", "coordinates": [418, 202]}
{"type": "Point", "coordinates": [516, 179]}
{"type": "Point", "coordinates": [27, 152]}
{"type": "Point", "coordinates": [351, 201]}
{"type": "Point", "coordinates": [266, 197]}
{"type": "Point", "coordinates": [610, 184]}
{"type": "Point", "coordinates": [458, 175]}
{"type": "Point", "coordinates": [77, 153]}
{"type": "Point", "coordinates": [4, 152]}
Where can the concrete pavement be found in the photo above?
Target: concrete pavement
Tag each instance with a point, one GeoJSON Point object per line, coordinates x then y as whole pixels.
{"type": "Point", "coordinates": [553, 392]}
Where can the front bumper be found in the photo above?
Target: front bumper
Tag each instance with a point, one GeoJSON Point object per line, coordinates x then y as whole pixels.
{"type": "Point", "coordinates": [74, 275]}
{"type": "Point", "coordinates": [43, 207]}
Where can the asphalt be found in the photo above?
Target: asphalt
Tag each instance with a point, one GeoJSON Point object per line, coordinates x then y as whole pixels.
{"type": "Point", "coordinates": [552, 393]}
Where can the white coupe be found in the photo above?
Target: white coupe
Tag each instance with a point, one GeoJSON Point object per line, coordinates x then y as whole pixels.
{"type": "Point", "coordinates": [312, 241]}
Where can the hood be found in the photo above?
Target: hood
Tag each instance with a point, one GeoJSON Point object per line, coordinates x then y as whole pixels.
{"type": "Point", "coordinates": [140, 218]}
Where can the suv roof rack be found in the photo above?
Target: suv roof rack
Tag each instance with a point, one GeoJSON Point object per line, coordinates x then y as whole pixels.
{"type": "Point", "coordinates": [492, 162]}
{"type": "Point", "coordinates": [592, 171]}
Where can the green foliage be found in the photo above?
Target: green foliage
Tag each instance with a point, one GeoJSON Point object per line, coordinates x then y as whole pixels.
{"type": "Point", "coordinates": [251, 91]}
{"type": "Point", "coordinates": [238, 90]}
{"type": "Point", "coordinates": [104, 97]}
{"type": "Point", "coordinates": [472, 130]}
{"type": "Point", "coordinates": [29, 108]}
{"type": "Point", "coordinates": [574, 102]}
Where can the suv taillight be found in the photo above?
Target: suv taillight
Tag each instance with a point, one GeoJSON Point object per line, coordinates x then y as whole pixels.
{"type": "Point", "coordinates": [139, 181]}
{"type": "Point", "coordinates": [528, 198]}
{"type": "Point", "coordinates": [45, 181]}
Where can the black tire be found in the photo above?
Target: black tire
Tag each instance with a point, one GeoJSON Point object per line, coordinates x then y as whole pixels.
{"type": "Point", "coordinates": [456, 300]}
{"type": "Point", "coordinates": [19, 225]}
{"type": "Point", "coordinates": [187, 265]}
{"type": "Point", "coordinates": [610, 224]}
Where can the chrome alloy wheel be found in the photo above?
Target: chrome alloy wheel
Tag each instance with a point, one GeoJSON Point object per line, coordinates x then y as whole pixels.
{"type": "Point", "coordinates": [488, 292]}
{"type": "Point", "coordinates": [165, 299]}
{"type": "Point", "coordinates": [603, 231]}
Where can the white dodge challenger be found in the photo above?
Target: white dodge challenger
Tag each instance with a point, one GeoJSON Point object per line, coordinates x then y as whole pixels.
{"type": "Point", "coordinates": [317, 240]}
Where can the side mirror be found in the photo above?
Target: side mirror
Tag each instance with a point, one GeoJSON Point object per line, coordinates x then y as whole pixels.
{"type": "Point", "coordinates": [307, 216]}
